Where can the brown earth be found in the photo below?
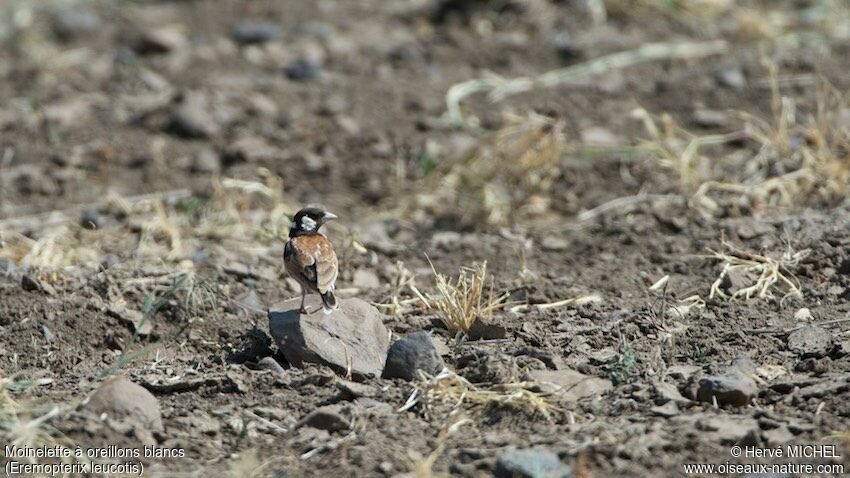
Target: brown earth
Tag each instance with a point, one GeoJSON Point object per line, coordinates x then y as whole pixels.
{"type": "Point", "coordinates": [91, 114]}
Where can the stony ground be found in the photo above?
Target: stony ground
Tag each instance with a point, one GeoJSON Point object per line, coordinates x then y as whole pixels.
{"type": "Point", "coordinates": [152, 152]}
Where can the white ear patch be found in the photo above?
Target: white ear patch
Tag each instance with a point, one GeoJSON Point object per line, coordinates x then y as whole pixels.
{"type": "Point", "coordinates": [307, 223]}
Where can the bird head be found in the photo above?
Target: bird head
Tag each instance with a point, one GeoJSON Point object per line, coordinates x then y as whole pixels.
{"type": "Point", "coordinates": [309, 220]}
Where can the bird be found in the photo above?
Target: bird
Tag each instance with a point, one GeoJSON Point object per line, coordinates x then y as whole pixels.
{"type": "Point", "coordinates": [310, 259]}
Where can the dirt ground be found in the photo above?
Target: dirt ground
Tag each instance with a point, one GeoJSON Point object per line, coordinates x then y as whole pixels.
{"type": "Point", "coordinates": [151, 150]}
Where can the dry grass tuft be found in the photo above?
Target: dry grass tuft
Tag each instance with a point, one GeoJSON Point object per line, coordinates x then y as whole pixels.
{"type": "Point", "coordinates": [22, 427]}
{"type": "Point", "coordinates": [790, 162]}
{"type": "Point", "coordinates": [465, 300]}
{"type": "Point", "coordinates": [764, 273]}
{"type": "Point", "coordinates": [507, 175]}
{"type": "Point", "coordinates": [419, 466]}
{"type": "Point", "coordinates": [449, 387]}
{"type": "Point", "coordinates": [398, 304]}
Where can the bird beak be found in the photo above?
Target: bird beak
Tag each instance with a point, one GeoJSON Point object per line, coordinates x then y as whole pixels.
{"type": "Point", "coordinates": [328, 217]}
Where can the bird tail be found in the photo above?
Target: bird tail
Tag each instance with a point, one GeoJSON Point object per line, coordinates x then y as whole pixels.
{"type": "Point", "coordinates": [329, 302]}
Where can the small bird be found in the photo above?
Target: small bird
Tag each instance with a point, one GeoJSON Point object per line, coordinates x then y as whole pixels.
{"type": "Point", "coordinates": [309, 257]}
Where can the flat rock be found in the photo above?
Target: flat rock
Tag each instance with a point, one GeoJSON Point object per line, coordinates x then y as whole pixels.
{"type": "Point", "coordinates": [810, 341]}
{"type": "Point", "coordinates": [412, 354]}
{"type": "Point", "coordinates": [570, 384]}
{"type": "Point", "coordinates": [120, 398]}
{"type": "Point", "coordinates": [535, 462]}
{"type": "Point", "coordinates": [733, 388]}
{"type": "Point", "coordinates": [353, 336]}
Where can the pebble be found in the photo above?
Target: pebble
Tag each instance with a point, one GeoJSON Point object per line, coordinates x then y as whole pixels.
{"type": "Point", "coordinates": [302, 70]}
{"type": "Point", "coordinates": [206, 161]}
{"type": "Point", "coordinates": [410, 355]}
{"type": "Point", "coordinates": [160, 40]}
{"type": "Point", "coordinates": [123, 399]}
{"type": "Point", "coordinates": [272, 365]}
{"type": "Point", "coordinates": [91, 220]}
{"type": "Point", "coordinates": [72, 22]}
{"type": "Point", "coordinates": [734, 388]}
{"type": "Point", "coordinates": [732, 78]}
{"type": "Point", "coordinates": [538, 462]}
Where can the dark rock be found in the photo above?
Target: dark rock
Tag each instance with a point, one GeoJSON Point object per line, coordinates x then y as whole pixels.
{"type": "Point", "coordinates": [412, 354]}
{"type": "Point", "coordinates": [91, 220]}
{"type": "Point", "coordinates": [72, 22]}
{"type": "Point", "coordinates": [192, 118]}
{"type": "Point", "coordinates": [535, 462]}
{"type": "Point", "coordinates": [481, 330]}
{"type": "Point", "coordinates": [302, 70]}
{"type": "Point", "coordinates": [352, 337]}
{"type": "Point", "coordinates": [123, 399]}
{"type": "Point", "coordinates": [810, 341]}
{"type": "Point", "coordinates": [248, 32]}
{"type": "Point", "coordinates": [734, 388]}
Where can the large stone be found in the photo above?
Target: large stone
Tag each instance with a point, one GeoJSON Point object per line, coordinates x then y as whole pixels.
{"type": "Point", "coordinates": [122, 399]}
{"type": "Point", "coordinates": [353, 336]}
{"type": "Point", "coordinates": [569, 384]}
{"type": "Point", "coordinates": [733, 388]}
{"type": "Point", "coordinates": [412, 354]}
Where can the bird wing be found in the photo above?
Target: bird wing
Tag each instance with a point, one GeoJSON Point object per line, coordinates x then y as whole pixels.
{"type": "Point", "coordinates": [312, 259]}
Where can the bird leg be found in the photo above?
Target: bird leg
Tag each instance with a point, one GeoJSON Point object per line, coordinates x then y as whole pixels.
{"type": "Point", "coordinates": [303, 310]}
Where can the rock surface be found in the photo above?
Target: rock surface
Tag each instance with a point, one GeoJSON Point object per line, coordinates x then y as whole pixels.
{"type": "Point", "coordinates": [412, 354]}
{"type": "Point", "coordinates": [353, 336]}
{"type": "Point", "coordinates": [121, 399]}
